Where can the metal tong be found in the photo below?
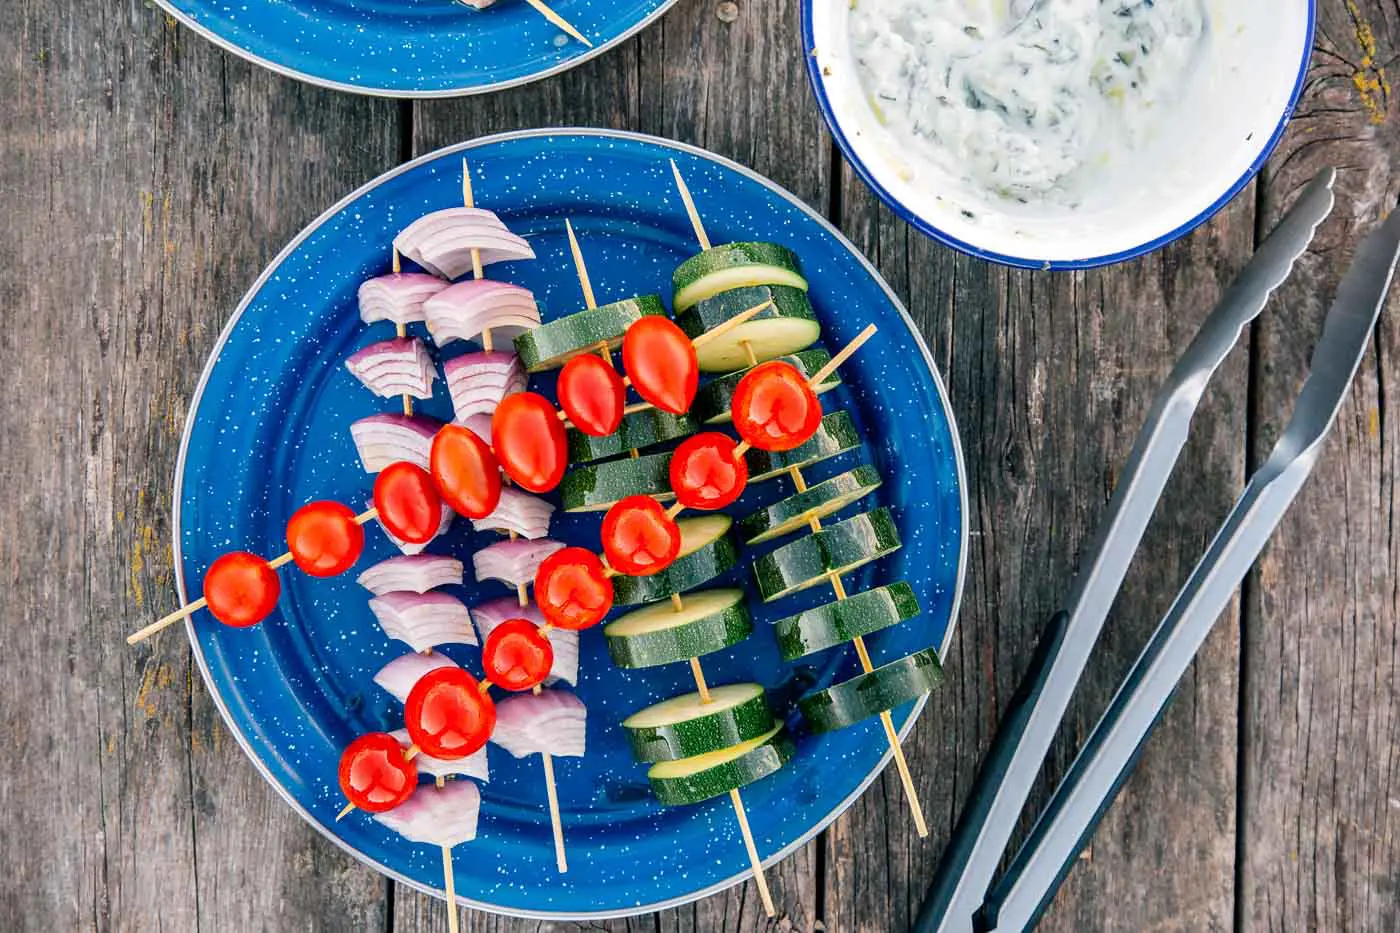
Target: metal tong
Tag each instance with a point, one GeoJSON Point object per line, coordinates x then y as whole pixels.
{"type": "Point", "coordinates": [962, 898]}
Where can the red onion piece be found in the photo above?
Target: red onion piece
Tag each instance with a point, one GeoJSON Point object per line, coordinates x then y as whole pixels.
{"type": "Point", "coordinates": [520, 512]}
{"type": "Point", "coordinates": [551, 721]}
{"type": "Point", "coordinates": [493, 612]}
{"type": "Point", "coordinates": [437, 816]}
{"type": "Point", "coordinates": [472, 766]}
{"type": "Point", "coordinates": [464, 310]}
{"type": "Point", "coordinates": [512, 562]}
{"type": "Point", "coordinates": [442, 242]}
{"type": "Point", "coordinates": [400, 674]}
{"type": "Point", "coordinates": [384, 438]}
{"type": "Point", "coordinates": [479, 382]}
{"type": "Point", "coordinates": [397, 297]}
{"type": "Point", "coordinates": [480, 425]}
{"type": "Point", "coordinates": [400, 366]}
{"type": "Point", "coordinates": [416, 573]}
{"type": "Point", "coordinates": [424, 620]}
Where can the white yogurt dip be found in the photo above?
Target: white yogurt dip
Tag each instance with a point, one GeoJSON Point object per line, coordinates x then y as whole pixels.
{"type": "Point", "coordinates": [1020, 110]}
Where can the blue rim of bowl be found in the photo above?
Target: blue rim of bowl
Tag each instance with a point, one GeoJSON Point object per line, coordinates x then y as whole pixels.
{"type": "Point", "coordinates": [824, 105]}
{"type": "Point", "coordinates": [402, 94]}
{"type": "Point", "coordinates": [178, 495]}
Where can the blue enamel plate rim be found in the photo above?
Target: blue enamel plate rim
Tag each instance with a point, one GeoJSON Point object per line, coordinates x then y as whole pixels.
{"type": "Point", "coordinates": [814, 78]}
{"type": "Point", "coordinates": [407, 93]}
{"type": "Point", "coordinates": [272, 268]}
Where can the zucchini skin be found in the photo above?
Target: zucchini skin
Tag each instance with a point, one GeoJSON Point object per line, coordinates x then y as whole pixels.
{"type": "Point", "coordinates": [867, 695]}
{"type": "Point", "coordinates": [729, 256]}
{"type": "Point", "coordinates": [686, 573]}
{"type": "Point", "coordinates": [836, 435]}
{"type": "Point", "coordinates": [598, 486]}
{"type": "Point", "coordinates": [702, 636]}
{"type": "Point", "coordinates": [806, 561]}
{"type": "Point", "coordinates": [842, 489]}
{"type": "Point", "coordinates": [550, 345]}
{"type": "Point", "coordinates": [748, 720]}
{"type": "Point", "coordinates": [712, 312]}
{"type": "Point", "coordinates": [838, 622]}
{"type": "Point", "coordinates": [715, 399]}
{"type": "Point", "coordinates": [757, 764]}
{"type": "Point", "coordinates": [638, 430]}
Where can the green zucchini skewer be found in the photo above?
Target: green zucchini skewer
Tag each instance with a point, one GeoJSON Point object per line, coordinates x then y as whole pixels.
{"type": "Point", "coordinates": [703, 745]}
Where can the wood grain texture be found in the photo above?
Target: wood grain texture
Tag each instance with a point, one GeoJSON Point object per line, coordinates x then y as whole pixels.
{"type": "Point", "coordinates": [147, 179]}
{"type": "Point", "coordinates": [1050, 377]}
{"type": "Point", "coordinates": [1321, 804]}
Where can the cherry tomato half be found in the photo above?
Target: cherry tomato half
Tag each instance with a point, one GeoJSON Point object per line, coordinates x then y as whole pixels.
{"type": "Point", "coordinates": [465, 471]}
{"type": "Point", "coordinates": [517, 655]}
{"type": "Point", "coordinates": [639, 538]}
{"type": "Point", "coordinates": [324, 538]}
{"type": "Point", "coordinates": [706, 473]}
{"type": "Point", "coordinates": [374, 773]}
{"type": "Point", "coordinates": [529, 441]}
{"type": "Point", "coordinates": [408, 502]}
{"type": "Point", "coordinates": [660, 361]}
{"type": "Point", "coordinates": [573, 589]}
{"type": "Point", "coordinates": [241, 589]}
{"type": "Point", "coordinates": [448, 715]}
{"type": "Point", "coordinates": [774, 408]}
{"type": "Point", "coordinates": [592, 395]}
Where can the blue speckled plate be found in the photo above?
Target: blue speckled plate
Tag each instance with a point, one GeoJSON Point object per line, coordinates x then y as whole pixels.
{"type": "Point", "coordinates": [412, 48]}
{"type": "Point", "coordinates": [268, 431]}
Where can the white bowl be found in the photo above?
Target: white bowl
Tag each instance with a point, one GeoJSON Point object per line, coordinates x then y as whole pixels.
{"type": "Point", "coordinates": [1205, 150]}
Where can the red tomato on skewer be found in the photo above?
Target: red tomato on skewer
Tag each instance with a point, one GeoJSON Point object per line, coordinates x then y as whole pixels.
{"type": "Point", "coordinates": [529, 441]}
{"type": "Point", "coordinates": [408, 502]}
{"type": "Point", "coordinates": [592, 395]}
{"type": "Point", "coordinates": [517, 655]}
{"type": "Point", "coordinates": [639, 538]}
{"type": "Point", "coordinates": [324, 538]}
{"type": "Point", "coordinates": [374, 773]}
{"type": "Point", "coordinates": [241, 589]}
{"type": "Point", "coordinates": [660, 361]}
{"type": "Point", "coordinates": [465, 471]}
{"type": "Point", "coordinates": [707, 473]}
{"type": "Point", "coordinates": [448, 715]}
{"type": "Point", "coordinates": [774, 408]}
{"type": "Point", "coordinates": [572, 589]}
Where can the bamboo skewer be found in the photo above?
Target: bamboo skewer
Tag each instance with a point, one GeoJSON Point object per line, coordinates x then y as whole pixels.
{"type": "Point", "coordinates": [521, 594]}
{"type": "Point", "coordinates": [190, 609]}
{"type": "Point", "coordinates": [543, 9]}
{"type": "Point", "coordinates": [886, 720]}
{"type": "Point", "coordinates": [401, 331]}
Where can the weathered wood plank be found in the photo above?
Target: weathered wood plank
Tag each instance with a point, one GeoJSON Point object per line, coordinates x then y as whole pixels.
{"type": "Point", "coordinates": [1321, 802]}
{"type": "Point", "coordinates": [1051, 376]}
{"type": "Point", "coordinates": [147, 179]}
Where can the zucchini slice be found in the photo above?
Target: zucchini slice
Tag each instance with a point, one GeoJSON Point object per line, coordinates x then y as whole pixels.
{"type": "Point", "coordinates": [714, 402]}
{"type": "Point", "coordinates": [711, 621]}
{"type": "Point", "coordinates": [838, 622]}
{"type": "Point", "coordinates": [734, 265]}
{"type": "Point", "coordinates": [595, 488]}
{"type": "Point", "coordinates": [707, 550]}
{"type": "Point", "coordinates": [683, 726]}
{"type": "Point", "coordinates": [866, 695]}
{"type": "Point", "coordinates": [640, 429]}
{"type": "Point", "coordinates": [796, 511]}
{"type": "Point", "coordinates": [700, 777]}
{"type": "Point", "coordinates": [551, 345]}
{"type": "Point", "coordinates": [837, 548]}
{"type": "Point", "coordinates": [836, 435]}
{"type": "Point", "coordinates": [786, 327]}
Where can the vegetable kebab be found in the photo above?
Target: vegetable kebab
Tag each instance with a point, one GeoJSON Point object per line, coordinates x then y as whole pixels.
{"type": "Point", "coordinates": [709, 743]}
{"type": "Point", "coordinates": [489, 400]}
{"type": "Point", "coordinates": [324, 539]}
{"type": "Point", "coordinates": [775, 409]}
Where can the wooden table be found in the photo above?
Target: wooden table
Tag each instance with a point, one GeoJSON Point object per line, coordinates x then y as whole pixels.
{"type": "Point", "coordinates": [148, 177]}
